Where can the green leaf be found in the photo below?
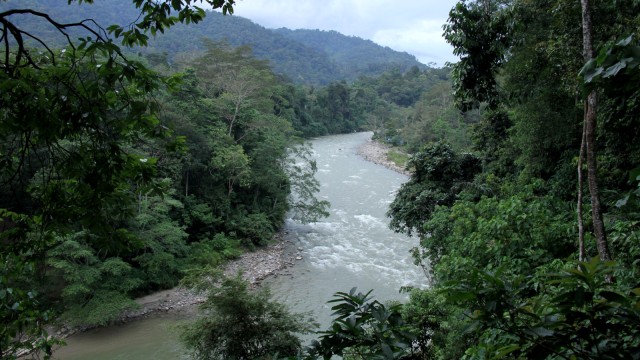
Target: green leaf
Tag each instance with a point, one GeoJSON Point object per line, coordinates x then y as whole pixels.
{"type": "Point", "coordinates": [506, 350]}
{"type": "Point", "coordinates": [622, 202]}
{"type": "Point", "coordinates": [613, 296]}
{"type": "Point", "coordinates": [590, 74]}
{"type": "Point", "coordinates": [626, 41]}
{"type": "Point", "coordinates": [615, 69]}
{"type": "Point", "coordinates": [386, 350]}
{"type": "Point", "coordinates": [540, 331]}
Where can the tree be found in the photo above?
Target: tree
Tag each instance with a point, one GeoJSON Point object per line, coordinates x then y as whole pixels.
{"type": "Point", "coordinates": [589, 139]}
{"type": "Point", "coordinates": [439, 174]}
{"type": "Point", "coordinates": [479, 32]}
{"type": "Point", "coordinates": [240, 169]}
{"type": "Point", "coordinates": [568, 314]}
{"type": "Point", "coordinates": [301, 170]}
{"type": "Point", "coordinates": [96, 288]}
{"type": "Point", "coordinates": [235, 82]}
{"type": "Point", "coordinates": [503, 252]}
{"type": "Point", "coordinates": [242, 324]}
{"type": "Point", "coordinates": [20, 310]}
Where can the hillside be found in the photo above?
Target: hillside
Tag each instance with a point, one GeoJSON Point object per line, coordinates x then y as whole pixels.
{"type": "Point", "coordinates": [352, 54]}
{"type": "Point", "coordinates": [292, 59]}
{"type": "Point", "coordinates": [310, 57]}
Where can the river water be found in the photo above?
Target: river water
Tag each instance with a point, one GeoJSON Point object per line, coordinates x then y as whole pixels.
{"type": "Point", "coordinates": [353, 247]}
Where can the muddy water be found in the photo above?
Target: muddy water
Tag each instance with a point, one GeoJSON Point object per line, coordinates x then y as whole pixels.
{"type": "Point", "coordinates": [152, 338]}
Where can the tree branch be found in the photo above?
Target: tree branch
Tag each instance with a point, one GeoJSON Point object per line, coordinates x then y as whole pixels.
{"type": "Point", "coordinates": [19, 35]}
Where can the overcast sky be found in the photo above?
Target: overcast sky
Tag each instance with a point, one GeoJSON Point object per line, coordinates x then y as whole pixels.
{"type": "Point", "coordinates": [414, 26]}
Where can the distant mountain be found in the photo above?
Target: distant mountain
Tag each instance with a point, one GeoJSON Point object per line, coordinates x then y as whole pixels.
{"type": "Point", "coordinates": [354, 56]}
{"type": "Point", "coordinates": [311, 57]}
{"type": "Point", "coordinates": [294, 60]}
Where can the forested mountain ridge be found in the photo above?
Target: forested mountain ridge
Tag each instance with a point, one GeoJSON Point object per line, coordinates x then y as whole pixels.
{"type": "Point", "coordinates": [354, 56]}
{"type": "Point", "coordinates": [309, 57]}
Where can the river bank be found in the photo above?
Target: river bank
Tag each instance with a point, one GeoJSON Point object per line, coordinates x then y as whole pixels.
{"type": "Point", "coordinates": [352, 247]}
{"type": "Point", "coordinates": [255, 266]}
{"type": "Point", "coordinates": [377, 153]}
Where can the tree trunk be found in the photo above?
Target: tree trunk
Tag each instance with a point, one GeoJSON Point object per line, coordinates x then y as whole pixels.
{"type": "Point", "coordinates": [581, 251]}
{"type": "Point", "coordinates": [186, 185]}
{"type": "Point", "coordinates": [596, 208]}
{"type": "Point", "coordinates": [590, 139]}
{"type": "Point", "coordinates": [487, 7]}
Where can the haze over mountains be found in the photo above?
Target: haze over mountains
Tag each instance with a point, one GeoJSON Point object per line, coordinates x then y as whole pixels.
{"type": "Point", "coordinates": [312, 57]}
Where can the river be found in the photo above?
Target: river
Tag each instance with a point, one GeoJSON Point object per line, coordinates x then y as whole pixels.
{"type": "Point", "coordinates": [353, 247]}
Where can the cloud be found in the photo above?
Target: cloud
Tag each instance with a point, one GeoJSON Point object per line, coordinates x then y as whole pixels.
{"type": "Point", "coordinates": [411, 26]}
{"type": "Point", "coordinates": [422, 38]}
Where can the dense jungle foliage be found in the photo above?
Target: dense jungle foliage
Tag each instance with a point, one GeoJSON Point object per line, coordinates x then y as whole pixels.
{"type": "Point", "coordinates": [512, 227]}
{"type": "Point", "coordinates": [122, 171]}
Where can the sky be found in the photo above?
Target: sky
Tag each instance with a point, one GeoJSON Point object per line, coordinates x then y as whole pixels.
{"type": "Point", "coordinates": [414, 26]}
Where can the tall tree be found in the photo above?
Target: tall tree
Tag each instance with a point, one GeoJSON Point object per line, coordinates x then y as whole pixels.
{"type": "Point", "coordinates": [589, 137]}
{"type": "Point", "coordinates": [242, 324]}
{"type": "Point", "coordinates": [479, 32]}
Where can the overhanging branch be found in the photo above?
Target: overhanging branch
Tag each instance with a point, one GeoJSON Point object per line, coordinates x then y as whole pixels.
{"type": "Point", "coordinates": [13, 34]}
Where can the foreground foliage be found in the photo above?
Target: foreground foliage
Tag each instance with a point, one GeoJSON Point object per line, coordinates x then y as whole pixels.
{"type": "Point", "coordinates": [574, 313]}
{"type": "Point", "coordinates": [363, 328]}
{"type": "Point", "coordinates": [239, 323]}
{"type": "Point", "coordinates": [108, 193]}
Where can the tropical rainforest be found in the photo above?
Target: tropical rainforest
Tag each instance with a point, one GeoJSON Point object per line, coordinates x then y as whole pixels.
{"type": "Point", "coordinates": [131, 161]}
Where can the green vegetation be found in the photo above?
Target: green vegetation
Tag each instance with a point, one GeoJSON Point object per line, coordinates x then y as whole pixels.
{"type": "Point", "coordinates": [514, 273]}
{"type": "Point", "coordinates": [238, 323]}
{"type": "Point", "coordinates": [351, 56]}
{"type": "Point", "coordinates": [121, 173]}
{"type": "Point", "coordinates": [117, 179]}
{"type": "Point", "coordinates": [438, 176]}
{"type": "Point", "coordinates": [399, 158]}
{"type": "Point", "coordinates": [363, 328]}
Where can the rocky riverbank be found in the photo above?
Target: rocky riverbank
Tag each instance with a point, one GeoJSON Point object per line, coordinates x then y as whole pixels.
{"type": "Point", "coordinates": [254, 266]}
{"type": "Point", "coordinates": [376, 152]}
